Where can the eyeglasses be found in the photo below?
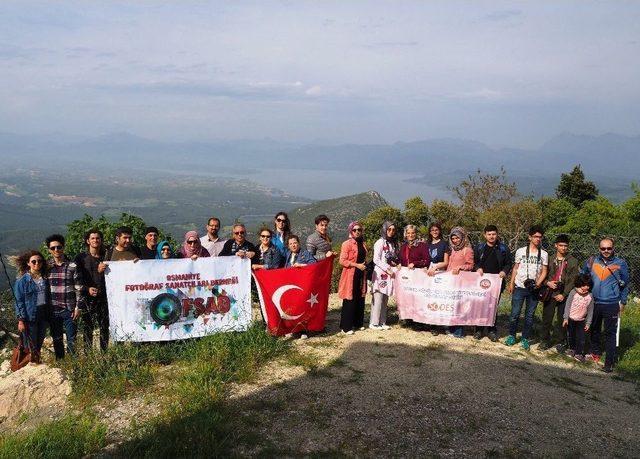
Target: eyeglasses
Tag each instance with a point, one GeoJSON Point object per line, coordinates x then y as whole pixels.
{"type": "Point", "coordinates": [35, 262]}
{"type": "Point", "coordinates": [238, 233]}
{"type": "Point", "coordinates": [281, 220]}
{"type": "Point", "coordinates": [165, 249]}
{"type": "Point", "coordinates": [265, 235]}
{"type": "Point", "coordinates": [56, 247]}
{"type": "Point", "coordinates": [606, 249]}
{"type": "Point", "coordinates": [357, 230]}
{"type": "Point", "coordinates": [191, 242]}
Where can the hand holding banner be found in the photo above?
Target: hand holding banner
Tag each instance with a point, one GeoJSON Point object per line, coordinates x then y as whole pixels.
{"type": "Point", "coordinates": [295, 299]}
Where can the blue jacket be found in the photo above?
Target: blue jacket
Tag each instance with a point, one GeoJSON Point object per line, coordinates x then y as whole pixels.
{"type": "Point", "coordinates": [606, 288]}
{"type": "Point", "coordinates": [303, 257]}
{"type": "Point", "coordinates": [278, 244]}
{"type": "Point", "coordinates": [272, 258]}
{"type": "Point", "coordinates": [27, 296]}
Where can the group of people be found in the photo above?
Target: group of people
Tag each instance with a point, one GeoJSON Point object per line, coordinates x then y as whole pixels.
{"type": "Point", "coordinates": [55, 293]}
{"type": "Point", "coordinates": [584, 298]}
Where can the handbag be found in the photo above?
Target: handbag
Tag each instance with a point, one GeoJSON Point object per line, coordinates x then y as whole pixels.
{"type": "Point", "coordinates": [21, 354]}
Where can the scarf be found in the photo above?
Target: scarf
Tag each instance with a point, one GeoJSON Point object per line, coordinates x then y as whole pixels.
{"type": "Point", "coordinates": [350, 229]}
{"type": "Point", "coordinates": [462, 234]}
{"type": "Point", "coordinates": [187, 250]}
{"type": "Point", "coordinates": [161, 244]}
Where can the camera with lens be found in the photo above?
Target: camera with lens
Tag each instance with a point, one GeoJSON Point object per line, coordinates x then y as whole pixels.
{"type": "Point", "coordinates": [622, 284]}
{"type": "Point", "coordinates": [530, 285]}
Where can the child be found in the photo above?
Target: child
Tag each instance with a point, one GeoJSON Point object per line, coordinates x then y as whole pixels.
{"type": "Point", "coordinates": [578, 312]}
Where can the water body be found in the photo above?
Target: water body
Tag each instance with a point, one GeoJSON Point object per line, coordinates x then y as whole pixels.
{"type": "Point", "coordinates": [327, 184]}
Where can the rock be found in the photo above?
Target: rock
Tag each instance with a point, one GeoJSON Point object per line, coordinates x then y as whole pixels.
{"type": "Point", "coordinates": [32, 390]}
{"type": "Point", "coordinates": [5, 368]}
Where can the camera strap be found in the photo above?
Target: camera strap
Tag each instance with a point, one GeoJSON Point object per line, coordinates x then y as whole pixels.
{"type": "Point", "coordinates": [606, 265]}
{"type": "Point", "coordinates": [537, 260]}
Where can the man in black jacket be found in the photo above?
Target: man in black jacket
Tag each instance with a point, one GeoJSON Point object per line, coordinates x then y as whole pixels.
{"type": "Point", "coordinates": [491, 257]}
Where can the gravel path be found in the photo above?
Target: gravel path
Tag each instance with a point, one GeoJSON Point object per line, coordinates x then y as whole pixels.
{"type": "Point", "coordinates": [406, 393]}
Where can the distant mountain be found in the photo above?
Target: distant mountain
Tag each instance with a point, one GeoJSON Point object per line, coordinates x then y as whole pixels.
{"type": "Point", "coordinates": [341, 211]}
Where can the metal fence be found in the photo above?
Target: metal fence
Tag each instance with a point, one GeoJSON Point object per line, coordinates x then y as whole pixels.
{"type": "Point", "coordinates": [582, 246]}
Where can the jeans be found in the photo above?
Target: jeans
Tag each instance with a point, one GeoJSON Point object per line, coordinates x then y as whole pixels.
{"type": "Point", "coordinates": [36, 331]}
{"type": "Point", "coordinates": [517, 299]}
{"type": "Point", "coordinates": [607, 314]}
{"type": "Point", "coordinates": [98, 312]}
{"type": "Point", "coordinates": [62, 322]}
{"type": "Point", "coordinates": [576, 336]}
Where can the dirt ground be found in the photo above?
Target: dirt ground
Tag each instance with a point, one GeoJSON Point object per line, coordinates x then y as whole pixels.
{"type": "Point", "coordinates": [407, 393]}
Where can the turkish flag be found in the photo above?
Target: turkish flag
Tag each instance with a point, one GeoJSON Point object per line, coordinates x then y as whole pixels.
{"type": "Point", "coordinates": [295, 299]}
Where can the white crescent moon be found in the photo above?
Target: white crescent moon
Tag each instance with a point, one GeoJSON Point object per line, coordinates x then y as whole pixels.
{"type": "Point", "coordinates": [277, 295]}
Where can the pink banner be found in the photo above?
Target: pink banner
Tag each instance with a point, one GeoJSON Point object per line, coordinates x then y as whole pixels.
{"type": "Point", "coordinates": [447, 299]}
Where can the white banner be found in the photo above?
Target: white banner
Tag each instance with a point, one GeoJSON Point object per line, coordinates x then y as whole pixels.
{"type": "Point", "coordinates": [163, 300]}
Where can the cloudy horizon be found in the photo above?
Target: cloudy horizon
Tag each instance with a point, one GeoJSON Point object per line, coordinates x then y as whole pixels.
{"type": "Point", "coordinates": [503, 73]}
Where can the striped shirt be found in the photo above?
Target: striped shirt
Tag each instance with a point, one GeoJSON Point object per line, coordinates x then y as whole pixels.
{"type": "Point", "coordinates": [65, 284]}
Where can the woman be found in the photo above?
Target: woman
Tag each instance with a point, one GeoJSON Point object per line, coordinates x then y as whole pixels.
{"type": "Point", "coordinates": [32, 300]}
{"type": "Point", "coordinates": [385, 259]}
{"type": "Point", "coordinates": [413, 253]}
{"type": "Point", "coordinates": [281, 232]}
{"type": "Point", "coordinates": [461, 259]}
{"type": "Point", "coordinates": [352, 286]}
{"type": "Point", "coordinates": [438, 249]}
{"type": "Point", "coordinates": [267, 255]}
{"type": "Point", "coordinates": [192, 248]}
{"type": "Point", "coordinates": [163, 251]}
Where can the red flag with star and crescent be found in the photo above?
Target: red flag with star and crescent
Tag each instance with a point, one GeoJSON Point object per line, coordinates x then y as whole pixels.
{"type": "Point", "coordinates": [295, 299]}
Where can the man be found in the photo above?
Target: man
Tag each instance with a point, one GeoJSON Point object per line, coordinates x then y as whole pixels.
{"type": "Point", "coordinates": [91, 267]}
{"type": "Point", "coordinates": [492, 257]}
{"type": "Point", "coordinates": [238, 246]}
{"type": "Point", "coordinates": [148, 251]}
{"type": "Point", "coordinates": [66, 296]}
{"type": "Point", "coordinates": [212, 241]}
{"type": "Point", "coordinates": [319, 242]}
{"type": "Point", "coordinates": [296, 257]}
{"type": "Point", "coordinates": [610, 275]}
{"type": "Point", "coordinates": [529, 272]}
{"type": "Point", "coordinates": [123, 250]}
{"type": "Point", "coordinates": [563, 271]}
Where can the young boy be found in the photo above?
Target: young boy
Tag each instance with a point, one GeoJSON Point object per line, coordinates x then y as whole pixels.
{"type": "Point", "coordinates": [578, 313]}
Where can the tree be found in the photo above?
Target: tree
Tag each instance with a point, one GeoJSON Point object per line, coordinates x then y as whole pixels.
{"type": "Point", "coordinates": [574, 188]}
{"type": "Point", "coordinates": [373, 222]}
{"type": "Point", "coordinates": [445, 213]}
{"type": "Point", "coordinates": [555, 212]}
{"type": "Point", "coordinates": [481, 192]}
{"type": "Point", "coordinates": [513, 219]}
{"type": "Point", "coordinates": [416, 212]}
{"type": "Point", "coordinates": [598, 217]}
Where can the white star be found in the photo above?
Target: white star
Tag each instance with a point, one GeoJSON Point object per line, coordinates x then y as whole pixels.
{"type": "Point", "coordinates": [313, 299]}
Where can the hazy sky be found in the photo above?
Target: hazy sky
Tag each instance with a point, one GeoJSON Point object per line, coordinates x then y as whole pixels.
{"type": "Point", "coordinates": [506, 73]}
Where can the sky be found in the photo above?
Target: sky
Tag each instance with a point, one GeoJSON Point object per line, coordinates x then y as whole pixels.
{"type": "Point", "coordinates": [504, 73]}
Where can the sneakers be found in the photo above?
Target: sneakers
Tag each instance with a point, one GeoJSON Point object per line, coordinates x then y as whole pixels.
{"type": "Point", "coordinates": [594, 357]}
{"type": "Point", "coordinates": [561, 348]}
{"type": "Point", "coordinates": [304, 336]}
{"type": "Point", "coordinates": [385, 327]}
{"type": "Point", "coordinates": [375, 327]}
{"type": "Point", "coordinates": [510, 341]}
{"type": "Point", "coordinates": [493, 337]}
{"type": "Point", "coordinates": [350, 332]}
{"type": "Point", "coordinates": [361, 328]}
{"type": "Point", "coordinates": [435, 331]}
{"type": "Point", "coordinates": [477, 335]}
{"type": "Point", "coordinates": [607, 369]}
{"type": "Point", "coordinates": [579, 357]}
{"type": "Point", "coordinates": [524, 344]}
{"type": "Point", "coordinates": [570, 353]}
{"type": "Point", "coordinates": [544, 346]}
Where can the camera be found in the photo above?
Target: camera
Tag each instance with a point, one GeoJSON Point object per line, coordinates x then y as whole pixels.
{"type": "Point", "coordinates": [530, 285]}
{"type": "Point", "coordinates": [622, 284]}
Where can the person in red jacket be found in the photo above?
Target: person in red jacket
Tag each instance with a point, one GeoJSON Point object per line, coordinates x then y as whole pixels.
{"type": "Point", "coordinates": [414, 253]}
{"type": "Point", "coordinates": [353, 281]}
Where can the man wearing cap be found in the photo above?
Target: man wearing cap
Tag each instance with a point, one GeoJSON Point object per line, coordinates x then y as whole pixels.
{"type": "Point", "coordinates": [148, 251]}
{"type": "Point", "coordinates": [563, 271]}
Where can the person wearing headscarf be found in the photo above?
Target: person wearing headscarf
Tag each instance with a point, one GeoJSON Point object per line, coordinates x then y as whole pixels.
{"type": "Point", "coordinates": [353, 286]}
{"type": "Point", "coordinates": [385, 260]}
{"type": "Point", "coordinates": [163, 251]}
{"type": "Point", "coordinates": [460, 259]}
{"type": "Point", "coordinates": [191, 247]}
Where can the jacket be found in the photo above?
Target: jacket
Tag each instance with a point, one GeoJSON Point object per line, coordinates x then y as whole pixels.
{"type": "Point", "coordinates": [27, 297]}
{"type": "Point", "coordinates": [271, 258]}
{"type": "Point", "coordinates": [569, 274]}
{"type": "Point", "coordinates": [505, 263]}
{"type": "Point", "coordinates": [567, 309]}
{"type": "Point", "coordinates": [349, 255]}
{"type": "Point", "coordinates": [606, 288]}
{"type": "Point", "coordinates": [461, 259]}
{"type": "Point", "coordinates": [303, 257]}
{"type": "Point", "coordinates": [418, 255]}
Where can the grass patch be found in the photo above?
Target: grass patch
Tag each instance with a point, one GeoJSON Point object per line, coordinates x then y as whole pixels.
{"type": "Point", "coordinates": [629, 360]}
{"type": "Point", "coordinates": [70, 437]}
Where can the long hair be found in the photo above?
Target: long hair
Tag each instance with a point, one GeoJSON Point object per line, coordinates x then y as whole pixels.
{"type": "Point", "coordinates": [287, 223]}
{"type": "Point", "coordinates": [21, 262]}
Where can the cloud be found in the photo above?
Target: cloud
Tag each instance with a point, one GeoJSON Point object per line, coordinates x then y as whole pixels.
{"type": "Point", "coordinates": [393, 44]}
{"type": "Point", "coordinates": [502, 15]}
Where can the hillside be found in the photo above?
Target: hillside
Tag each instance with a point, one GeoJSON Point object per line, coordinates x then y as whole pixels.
{"type": "Point", "coordinates": [341, 211]}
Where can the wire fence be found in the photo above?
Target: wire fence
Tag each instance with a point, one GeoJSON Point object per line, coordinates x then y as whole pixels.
{"type": "Point", "coordinates": [583, 246]}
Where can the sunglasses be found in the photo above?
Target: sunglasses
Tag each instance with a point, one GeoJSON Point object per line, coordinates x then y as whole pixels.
{"type": "Point", "coordinates": [280, 220]}
{"type": "Point", "coordinates": [606, 249]}
{"type": "Point", "coordinates": [357, 230]}
{"type": "Point", "coordinates": [238, 233]}
{"type": "Point", "coordinates": [35, 262]}
{"type": "Point", "coordinates": [265, 235]}
{"type": "Point", "coordinates": [56, 247]}
{"type": "Point", "coordinates": [191, 242]}
{"type": "Point", "coordinates": [165, 249]}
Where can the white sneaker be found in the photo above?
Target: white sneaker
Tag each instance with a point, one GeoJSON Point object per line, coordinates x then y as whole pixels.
{"type": "Point", "coordinates": [385, 327]}
{"type": "Point", "coordinates": [350, 332]}
{"type": "Point", "coordinates": [304, 336]}
{"type": "Point", "coordinates": [361, 328]}
{"type": "Point", "coordinates": [289, 335]}
{"type": "Point", "coordinates": [375, 327]}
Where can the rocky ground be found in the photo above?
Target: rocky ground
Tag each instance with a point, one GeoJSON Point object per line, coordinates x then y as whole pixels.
{"type": "Point", "coordinates": [403, 392]}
